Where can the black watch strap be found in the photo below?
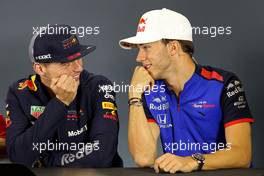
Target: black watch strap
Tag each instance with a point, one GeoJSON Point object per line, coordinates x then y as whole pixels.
{"type": "Point", "coordinates": [200, 160]}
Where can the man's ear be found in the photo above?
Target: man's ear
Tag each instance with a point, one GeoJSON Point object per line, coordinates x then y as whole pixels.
{"type": "Point", "coordinates": [174, 47]}
{"type": "Point", "coordinates": [39, 68]}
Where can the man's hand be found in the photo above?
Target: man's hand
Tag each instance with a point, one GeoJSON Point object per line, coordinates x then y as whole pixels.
{"type": "Point", "coordinates": [172, 163]}
{"type": "Point", "coordinates": [65, 88]}
{"type": "Point", "coordinates": [141, 81]}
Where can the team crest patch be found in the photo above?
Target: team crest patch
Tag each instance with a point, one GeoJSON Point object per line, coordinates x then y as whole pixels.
{"type": "Point", "coordinates": [36, 111]}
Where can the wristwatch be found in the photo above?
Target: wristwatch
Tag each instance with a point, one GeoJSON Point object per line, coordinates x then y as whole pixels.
{"type": "Point", "coordinates": [200, 160]}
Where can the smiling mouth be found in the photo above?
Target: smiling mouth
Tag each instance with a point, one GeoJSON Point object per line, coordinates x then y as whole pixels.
{"type": "Point", "coordinates": [147, 66]}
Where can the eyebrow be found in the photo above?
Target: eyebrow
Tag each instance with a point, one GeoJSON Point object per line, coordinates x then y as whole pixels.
{"type": "Point", "coordinates": [145, 44]}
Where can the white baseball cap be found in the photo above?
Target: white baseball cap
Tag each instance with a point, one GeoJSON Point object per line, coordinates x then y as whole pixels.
{"type": "Point", "coordinates": [159, 24]}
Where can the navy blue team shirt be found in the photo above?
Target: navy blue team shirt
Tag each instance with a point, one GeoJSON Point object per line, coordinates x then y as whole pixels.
{"type": "Point", "coordinates": [38, 120]}
{"type": "Point", "coordinates": [194, 122]}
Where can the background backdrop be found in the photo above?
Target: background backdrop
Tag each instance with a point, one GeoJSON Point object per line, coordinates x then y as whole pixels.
{"type": "Point", "coordinates": [240, 52]}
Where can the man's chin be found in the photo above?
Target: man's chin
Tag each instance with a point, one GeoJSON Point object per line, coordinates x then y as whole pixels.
{"type": "Point", "coordinates": [77, 79]}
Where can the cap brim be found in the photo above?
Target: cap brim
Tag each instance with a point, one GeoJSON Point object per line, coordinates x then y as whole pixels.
{"type": "Point", "coordinates": [132, 42]}
{"type": "Point", "coordinates": [85, 49]}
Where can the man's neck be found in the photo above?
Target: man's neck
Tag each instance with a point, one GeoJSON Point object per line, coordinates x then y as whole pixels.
{"type": "Point", "coordinates": [182, 71]}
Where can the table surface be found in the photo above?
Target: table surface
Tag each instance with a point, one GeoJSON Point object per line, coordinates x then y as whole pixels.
{"type": "Point", "coordinates": [63, 171]}
{"type": "Point", "coordinates": [140, 172]}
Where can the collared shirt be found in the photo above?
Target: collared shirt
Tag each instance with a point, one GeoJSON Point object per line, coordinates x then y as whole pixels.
{"type": "Point", "coordinates": [44, 130]}
{"type": "Point", "coordinates": [194, 122]}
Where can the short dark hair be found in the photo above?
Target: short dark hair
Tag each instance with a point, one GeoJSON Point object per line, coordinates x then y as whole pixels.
{"type": "Point", "coordinates": [187, 46]}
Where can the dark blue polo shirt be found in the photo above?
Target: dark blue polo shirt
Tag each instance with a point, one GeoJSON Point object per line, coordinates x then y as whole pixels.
{"type": "Point", "coordinates": [194, 122]}
{"type": "Point", "coordinates": [43, 131]}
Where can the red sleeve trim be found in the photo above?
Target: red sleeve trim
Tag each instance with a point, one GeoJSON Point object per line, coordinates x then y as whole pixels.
{"type": "Point", "coordinates": [238, 121]}
{"type": "Point", "coordinates": [211, 75]}
{"type": "Point", "coordinates": [151, 120]}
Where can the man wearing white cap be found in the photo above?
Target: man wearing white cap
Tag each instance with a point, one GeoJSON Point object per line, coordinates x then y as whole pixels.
{"type": "Point", "coordinates": [200, 113]}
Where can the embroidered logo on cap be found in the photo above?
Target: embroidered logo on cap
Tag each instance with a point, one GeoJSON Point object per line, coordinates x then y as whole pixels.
{"type": "Point", "coordinates": [141, 25]}
{"type": "Point", "coordinates": [68, 43]}
{"type": "Point", "coordinates": [43, 57]}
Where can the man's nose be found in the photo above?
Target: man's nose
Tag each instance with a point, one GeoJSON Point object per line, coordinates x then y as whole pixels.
{"type": "Point", "coordinates": [141, 56]}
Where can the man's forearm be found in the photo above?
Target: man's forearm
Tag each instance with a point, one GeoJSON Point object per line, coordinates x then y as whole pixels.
{"type": "Point", "coordinates": [142, 144]}
{"type": "Point", "coordinates": [240, 149]}
{"type": "Point", "coordinates": [233, 158]}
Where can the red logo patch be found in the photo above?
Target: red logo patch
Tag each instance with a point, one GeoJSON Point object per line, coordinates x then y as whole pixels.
{"type": "Point", "coordinates": [141, 25]}
{"type": "Point", "coordinates": [28, 83]}
{"type": "Point", "coordinates": [110, 116]}
{"type": "Point", "coordinates": [142, 21]}
{"type": "Point", "coordinates": [68, 43]}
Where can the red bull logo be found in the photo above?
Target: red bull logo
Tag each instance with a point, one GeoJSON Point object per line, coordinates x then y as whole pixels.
{"type": "Point", "coordinates": [141, 25]}
{"type": "Point", "coordinates": [111, 115]}
{"type": "Point", "coordinates": [68, 43]}
{"type": "Point", "coordinates": [142, 21]}
{"type": "Point", "coordinates": [30, 84]}
{"type": "Point", "coordinates": [141, 29]}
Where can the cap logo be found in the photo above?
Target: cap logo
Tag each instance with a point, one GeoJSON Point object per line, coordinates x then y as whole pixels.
{"type": "Point", "coordinates": [68, 43]}
{"type": "Point", "coordinates": [141, 25]}
{"type": "Point", "coordinates": [43, 57]}
{"type": "Point", "coordinates": [142, 21]}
